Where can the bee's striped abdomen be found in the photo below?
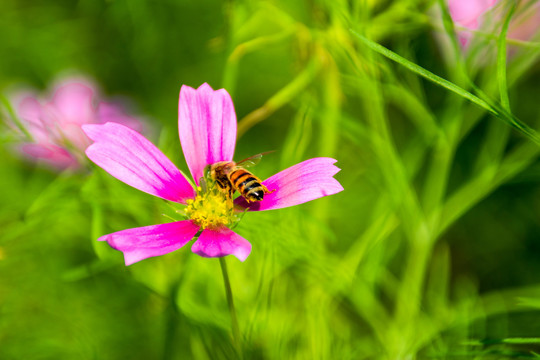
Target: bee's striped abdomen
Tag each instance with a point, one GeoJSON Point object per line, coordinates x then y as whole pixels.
{"type": "Point", "coordinates": [248, 185]}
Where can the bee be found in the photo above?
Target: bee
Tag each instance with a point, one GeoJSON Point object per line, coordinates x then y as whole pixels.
{"type": "Point", "coordinates": [231, 176]}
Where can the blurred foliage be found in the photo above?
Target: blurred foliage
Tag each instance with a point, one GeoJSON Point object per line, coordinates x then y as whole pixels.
{"type": "Point", "coordinates": [430, 252]}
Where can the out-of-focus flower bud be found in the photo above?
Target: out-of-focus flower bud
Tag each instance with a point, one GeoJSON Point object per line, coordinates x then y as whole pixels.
{"type": "Point", "coordinates": [50, 129]}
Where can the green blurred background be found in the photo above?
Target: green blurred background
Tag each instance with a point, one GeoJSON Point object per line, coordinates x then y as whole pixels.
{"type": "Point", "coordinates": [432, 250]}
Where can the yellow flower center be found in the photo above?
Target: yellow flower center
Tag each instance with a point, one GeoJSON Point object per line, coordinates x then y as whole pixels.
{"type": "Point", "coordinates": [211, 208]}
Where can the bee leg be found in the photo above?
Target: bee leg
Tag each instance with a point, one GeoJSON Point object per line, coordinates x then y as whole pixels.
{"type": "Point", "coordinates": [266, 191]}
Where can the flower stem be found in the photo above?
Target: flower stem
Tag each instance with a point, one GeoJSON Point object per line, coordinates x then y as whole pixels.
{"type": "Point", "coordinates": [232, 311]}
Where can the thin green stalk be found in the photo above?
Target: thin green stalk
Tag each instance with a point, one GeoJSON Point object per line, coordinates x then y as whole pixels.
{"type": "Point", "coordinates": [450, 30]}
{"type": "Point", "coordinates": [402, 193]}
{"type": "Point", "coordinates": [232, 311]}
{"type": "Point", "coordinates": [445, 147]}
{"type": "Point", "coordinates": [493, 147]}
{"type": "Point", "coordinates": [478, 188]}
{"type": "Point", "coordinates": [496, 140]}
{"type": "Point", "coordinates": [441, 162]}
{"type": "Point", "coordinates": [282, 97]}
{"type": "Point", "coordinates": [329, 125]}
{"type": "Point", "coordinates": [231, 66]}
{"type": "Point", "coordinates": [408, 296]}
{"type": "Point", "coordinates": [501, 61]}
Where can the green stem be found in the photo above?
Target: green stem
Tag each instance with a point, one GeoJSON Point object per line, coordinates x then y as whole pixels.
{"type": "Point", "coordinates": [232, 311]}
{"type": "Point", "coordinates": [282, 97]}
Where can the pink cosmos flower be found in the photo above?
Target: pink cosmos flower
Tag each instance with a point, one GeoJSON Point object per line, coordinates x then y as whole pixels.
{"type": "Point", "coordinates": [55, 125]}
{"type": "Point", "coordinates": [472, 16]}
{"type": "Point", "coordinates": [207, 129]}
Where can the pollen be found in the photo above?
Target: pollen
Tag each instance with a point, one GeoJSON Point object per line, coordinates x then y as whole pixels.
{"type": "Point", "coordinates": [211, 208]}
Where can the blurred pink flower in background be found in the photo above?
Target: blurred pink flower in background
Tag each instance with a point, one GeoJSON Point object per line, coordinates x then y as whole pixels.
{"type": "Point", "coordinates": [488, 16]}
{"type": "Point", "coordinates": [207, 130]}
{"type": "Point", "coordinates": [53, 126]}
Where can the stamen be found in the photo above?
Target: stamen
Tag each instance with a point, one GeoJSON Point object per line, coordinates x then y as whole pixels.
{"type": "Point", "coordinates": [211, 208]}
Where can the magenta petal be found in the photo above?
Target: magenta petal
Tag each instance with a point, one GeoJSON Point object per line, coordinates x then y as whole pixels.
{"type": "Point", "coordinates": [148, 241]}
{"type": "Point", "coordinates": [129, 157]}
{"type": "Point", "coordinates": [51, 154]}
{"type": "Point", "coordinates": [113, 112]}
{"type": "Point", "coordinates": [75, 102]}
{"type": "Point", "coordinates": [221, 242]}
{"type": "Point", "coordinates": [207, 127]}
{"type": "Point", "coordinates": [467, 12]}
{"type": "Point", "coordinates": [29, 110]}
{"type": "Point", "coordinates": [309, 180]}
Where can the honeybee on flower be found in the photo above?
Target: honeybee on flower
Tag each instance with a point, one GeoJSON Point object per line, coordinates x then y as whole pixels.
{"type": "Point", "coordinates": [231, 176]}
{"type": "Point", "coordinates": [207, 129]}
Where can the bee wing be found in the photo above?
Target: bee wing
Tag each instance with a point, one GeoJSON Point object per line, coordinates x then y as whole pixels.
{"type": "Point", "coordinates": [252, 160]}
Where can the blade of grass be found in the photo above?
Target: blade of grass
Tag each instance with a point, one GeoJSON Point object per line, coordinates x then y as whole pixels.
{"type": "Point", "coordinates": [424, 73]}
{"type": "Point", "coordinates": [493, 109]}
{"type": "Point", "coordinates": [501, 60]}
